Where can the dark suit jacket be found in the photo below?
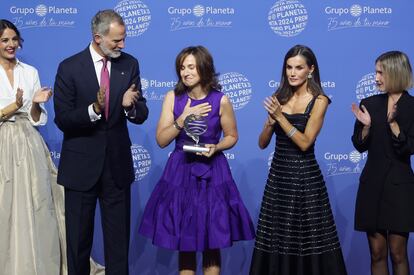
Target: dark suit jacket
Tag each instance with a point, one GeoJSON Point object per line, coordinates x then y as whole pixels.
{"type": "Point", "coordinates": [87, 144]}
{"type": "Point", "coordinates": [385, 197]}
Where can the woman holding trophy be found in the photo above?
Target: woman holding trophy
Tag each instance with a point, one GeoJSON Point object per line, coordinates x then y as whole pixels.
{"type": "Point", "coordinates": [196, 207]}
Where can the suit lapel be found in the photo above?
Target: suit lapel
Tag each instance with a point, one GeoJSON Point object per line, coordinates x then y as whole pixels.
{"type": "Point", "coordinates": [88, 68]}
{"type": "Point", "coordinates": [117, 85]}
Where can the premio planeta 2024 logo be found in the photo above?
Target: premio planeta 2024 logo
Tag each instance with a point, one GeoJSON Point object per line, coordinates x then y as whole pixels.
{"type": "Point", "coordinates": [142, 161]}
{"type": "Point", "coordinates": [366, 87]}
{"type": "Point", "coordinates": [288, 18]}
{"type": "Point", "coordinates": [237, 88]}
{"type": "Point", "coordinates": [136, 15]}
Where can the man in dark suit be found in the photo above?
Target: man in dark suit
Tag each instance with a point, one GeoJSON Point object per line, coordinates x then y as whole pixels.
{"type": "Point", "coordinates": [96, 92]}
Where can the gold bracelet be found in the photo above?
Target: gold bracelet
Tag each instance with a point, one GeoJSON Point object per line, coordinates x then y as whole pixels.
{"type": "Point", "coordinates": [9, 110]}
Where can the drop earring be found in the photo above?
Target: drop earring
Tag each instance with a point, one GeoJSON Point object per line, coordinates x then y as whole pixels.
{"type": "Point", "coordinates": [309, 75]}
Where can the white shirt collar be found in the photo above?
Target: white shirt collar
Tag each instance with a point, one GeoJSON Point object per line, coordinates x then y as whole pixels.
{"type": "Point", "coordinates": [96, 57]}
{"type": "Point", "coordinates": [18, 63]}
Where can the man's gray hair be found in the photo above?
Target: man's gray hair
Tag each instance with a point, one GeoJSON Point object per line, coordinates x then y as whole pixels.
{"type": "Point", "coordinates": [102, 20]}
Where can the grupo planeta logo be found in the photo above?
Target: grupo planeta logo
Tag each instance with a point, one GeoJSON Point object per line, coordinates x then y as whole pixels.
{"type": "Point", "coordinates": [344, 163]}
{"type": "Point", "coordinates": [355, 10]}
{"type": "Point", "coordinates": [200, 16]}
{"type": "Point", "coordinates": [42, 16]}
{"type": "Point", "coordinates": [237, 88]}
{"type": "Point", "coordinates": [41, 10]}
{"type": "Point", "coordinates": [327, 85]}
{"type": "Point", "coordinates": [366, 87]}
{"type": "Point", "coordinates": [142, 161]}
{"type": "Point", "coordinates": [199, 10]}
{"type": "Point", "coordinates": [55, 155]}
{"type": "Point", "coordinates": [144, 84]}
{"type": "Point", "coordinates": [155, 90]}
{"type": "Point", "coordinates": [136, 15]}
{"type": "Point", "coordinates": [288, 18]}
{"type": "Point", "coordinates": [357, 16]}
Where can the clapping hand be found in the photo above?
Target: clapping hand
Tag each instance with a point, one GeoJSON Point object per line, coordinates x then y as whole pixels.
{"type": "Point", "coordinates": [99, 104]}
{"type": "Point", "coordinates": [19, 97]}
{"type": "Point", "coordinates": [42, 95]}
{"type": "Point", "coordinates": [130, 97]}
{"type": "Point", "coordinates": [363, 115]}
{"type": "Point", "coordinates": [273, 107]}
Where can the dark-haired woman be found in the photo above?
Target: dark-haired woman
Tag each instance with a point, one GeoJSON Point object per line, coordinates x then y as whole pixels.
{"type": "Point", "coordinates": [296, 233]}
{"type": "Point", "coordinates": [385, 128]}
{"type": "Point", "coordinates": [29, 236]}
{"type": "Point", "coordinates": [196, 207]}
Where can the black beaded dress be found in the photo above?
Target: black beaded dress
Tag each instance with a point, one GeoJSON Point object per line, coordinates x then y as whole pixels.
{"type": "Point", "coordinates": [296, 232]}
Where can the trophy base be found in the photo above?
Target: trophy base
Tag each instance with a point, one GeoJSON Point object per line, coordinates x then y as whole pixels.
{"type": "Point", "coordinates": [195, 148]}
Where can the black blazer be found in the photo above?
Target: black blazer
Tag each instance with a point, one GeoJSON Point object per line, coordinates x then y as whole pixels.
{"type": "Point", "coordinates": [385, 198]}
{"type": "Point", "coordinates": [87, 144]}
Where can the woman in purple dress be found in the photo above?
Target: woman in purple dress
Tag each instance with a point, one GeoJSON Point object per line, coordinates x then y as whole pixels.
{"type": "Point", "coordinates": [196, 205]}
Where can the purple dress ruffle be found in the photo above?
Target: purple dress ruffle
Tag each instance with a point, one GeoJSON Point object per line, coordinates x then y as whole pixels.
{"type": "Point", "coordinates": [196, 205]}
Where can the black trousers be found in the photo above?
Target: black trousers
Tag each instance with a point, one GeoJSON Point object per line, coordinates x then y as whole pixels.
{"type": "Point", "coordinates": [115, 205]}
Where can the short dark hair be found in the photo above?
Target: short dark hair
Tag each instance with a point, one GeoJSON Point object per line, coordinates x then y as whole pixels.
{"type": "Point", "coordinates": [204, 65]}
{"type": "Point", "coordinates": [102, 20]}
{"type": "Point", "coordinates": [6, 24]}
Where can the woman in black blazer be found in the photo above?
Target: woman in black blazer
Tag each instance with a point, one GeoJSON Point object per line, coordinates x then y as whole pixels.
{"type": "Point", "coordinates": [385, 127]}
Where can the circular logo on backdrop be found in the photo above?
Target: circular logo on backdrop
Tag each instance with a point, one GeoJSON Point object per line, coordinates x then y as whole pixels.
{"type": "Point", "coordinates": [288, 17]}
{"type": "Point", "coordinates": [199, 10]}
{"type": "Point", "coordinates": [366, 87]}
{"type": "Point", "coordinates": [41, 10]}
{"type": "Point", "coordinates": [237, 88]}
{"type": "Point", "coordinates": [144, 83]}
{"type": "Point", "coordinates": [142, 161]}
{"type": "Point", "coordinates": [136, 15]}
{"type": "Point", "coordinates": [355, 10]}
{"type": "Point", "coordinates": [355, 156]}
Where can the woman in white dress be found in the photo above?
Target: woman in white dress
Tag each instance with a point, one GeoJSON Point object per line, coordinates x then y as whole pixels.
{"type": "Point", "coordinates": [29, 235]}
{"type": "Point", "coordinates": [32, 218]}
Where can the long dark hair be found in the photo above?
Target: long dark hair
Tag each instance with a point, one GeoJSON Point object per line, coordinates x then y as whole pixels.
{"type": "Point", "coordinates": [6, 24]}
{"type": "Point", "coordinates": [205, 68]}
{"type": "Point", "coordinates": [285, 91]}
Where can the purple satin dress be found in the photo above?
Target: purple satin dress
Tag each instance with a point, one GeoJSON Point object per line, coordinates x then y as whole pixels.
{"type": "Point", "coordinates": [196, 206]}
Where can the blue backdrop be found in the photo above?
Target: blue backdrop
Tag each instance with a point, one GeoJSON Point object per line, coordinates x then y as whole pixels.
{"type": "Point", "coordinates": [248, 41]}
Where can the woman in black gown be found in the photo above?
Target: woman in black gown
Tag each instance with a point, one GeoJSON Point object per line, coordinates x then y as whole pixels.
{"type": "Point", "coordinates": [296, 233]}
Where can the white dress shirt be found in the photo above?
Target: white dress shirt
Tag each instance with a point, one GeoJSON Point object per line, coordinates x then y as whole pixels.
{"type": "Point", "coordinates": [26, 78]}
{"type": "Point", "coordinates": [98, 64]}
